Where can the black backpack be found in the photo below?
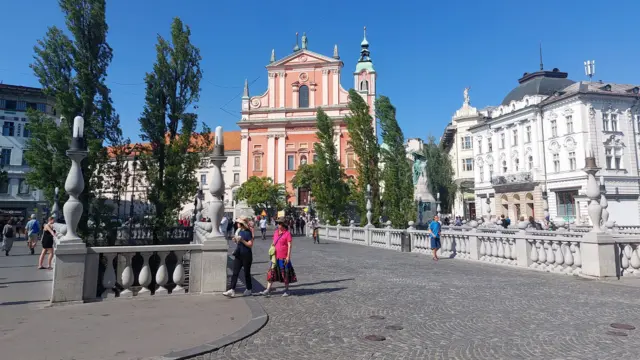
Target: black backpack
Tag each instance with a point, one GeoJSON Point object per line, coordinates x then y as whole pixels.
{"type": "Point", "coordinates": [9, 233]}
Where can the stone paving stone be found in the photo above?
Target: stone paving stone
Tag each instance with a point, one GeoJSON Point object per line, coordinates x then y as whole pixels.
{"type": "Point", "coordinates": [451, 309]}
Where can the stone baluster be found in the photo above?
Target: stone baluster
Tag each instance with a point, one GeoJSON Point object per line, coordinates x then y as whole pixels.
{"type": "Point", "coordinates": [568, 257]}
{"type": "Point", "coordinates": [533, 253]}
{"type": "Point", "coordinates": [604, 202]}
{"type": "Point", "coordinates": [551, 258]}
{"type": "Point", "coordinates": [352, 225]}
{"type": "Point", "coordinates": [542, 255]}
{"type": "Point", "coordinates": [144, 278]}
{"type": "Point", "coordinates": [126, 279]}
{"type": "Point", "coordinates": [162, 275]}
{"type": "Point", "coordinates": [178, 274]}
{"type": "Point", "coordinates": [109, 277]}
{"type": "Point", "coordinates": [483, 249]}
{"type": "Point", "coordinates": [338, 230]}
{"type": "Point", "coordinates": [55, 209]}
{"type": "Point", "coordinates": [74, 184]}
{"type": "Point", "coordinates": [593, 190]}
{"type": "Point", "coordinates": [559, 256]}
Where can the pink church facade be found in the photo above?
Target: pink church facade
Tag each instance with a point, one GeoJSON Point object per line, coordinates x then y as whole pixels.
{"type": "Point", "coordinates": [278, 127]}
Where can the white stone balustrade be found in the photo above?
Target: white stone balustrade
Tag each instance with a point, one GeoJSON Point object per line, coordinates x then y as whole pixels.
{"type": "Point", "coordinates": [591, 254]}
{"type": "Point", "coordinates": [124, 276]}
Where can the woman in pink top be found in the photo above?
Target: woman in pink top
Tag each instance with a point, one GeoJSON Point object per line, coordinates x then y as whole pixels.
{"type": "Point", "coordinates": [281, 270]}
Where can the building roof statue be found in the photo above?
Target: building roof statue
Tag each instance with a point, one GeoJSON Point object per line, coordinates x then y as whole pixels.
{"type": "Point", "coordinates": [305, 42]}
{"type": "Point", "coordinates": [467, 100]}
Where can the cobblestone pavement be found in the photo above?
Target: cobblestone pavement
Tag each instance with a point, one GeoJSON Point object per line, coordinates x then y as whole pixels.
{"type": "Point", "coordinates": [451, 309]}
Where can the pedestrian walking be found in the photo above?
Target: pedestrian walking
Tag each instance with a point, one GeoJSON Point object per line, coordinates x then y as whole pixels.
{"type": "Point", "coordinates": [33, 232]}
{"type": "Point", "coordinates": [229, 229]}
{"type": "Point", "coordinates": [281, 269]}
{"type": "Point", "coordinates": [316, 234]}
{"type": "Point", "coordinates": [8, 235]}
{"type": "Point", "coordinates": [263, 227]}
{"type": "Point", "coordinates": [434, 233]}
{"type": "Point", "coordinates": [243, 257]}
{"type": "Point", "coordinates": [48, 234]}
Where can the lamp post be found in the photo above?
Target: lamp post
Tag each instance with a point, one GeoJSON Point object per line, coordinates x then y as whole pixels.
{"type": "Point", "coordinates": [488, 208]}
{"type": "Point", "coordinates": [438, 204]}
{"type": "Point", "coordinates": [420, 208]}
{"type": "Point", "coordinates": [133, 192]}
{"type": "Point", "coordinates": [216, 188]}
{"type": "Point", "coordinates": [368, 196]}
{"type": "Point", "coordinates": [593, 190]}
{"type": "Point", "coordinates": [74, 184]}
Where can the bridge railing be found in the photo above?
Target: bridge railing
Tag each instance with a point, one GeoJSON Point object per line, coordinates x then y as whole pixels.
{"type": "Point", "coordinates": [594, 254]}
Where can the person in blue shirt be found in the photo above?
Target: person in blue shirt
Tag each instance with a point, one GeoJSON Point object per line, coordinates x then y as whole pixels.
{"type": "Point", "coordinates": [434, 234]}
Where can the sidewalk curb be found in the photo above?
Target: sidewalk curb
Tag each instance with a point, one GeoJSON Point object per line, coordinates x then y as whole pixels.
{"type": "Point", "coordinates": [259, 319]}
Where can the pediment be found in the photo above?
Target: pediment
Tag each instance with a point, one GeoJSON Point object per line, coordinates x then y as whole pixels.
{"type": "Point", "coordinates": [303, 57]}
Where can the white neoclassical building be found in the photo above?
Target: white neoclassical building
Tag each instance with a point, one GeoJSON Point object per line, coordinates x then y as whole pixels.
{"type": "Point", "coordinates": [534, 144]}
{"type": "Point", "coordinates": [457, 142]}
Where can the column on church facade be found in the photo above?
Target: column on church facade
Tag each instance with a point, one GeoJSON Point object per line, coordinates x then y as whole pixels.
{"type": "Point", "coordinates": [295, 95]}
{"type": "Point", "coordinates": [540, 142]}
{"type": "Point", "coordinates": [272, 90]}
{"type": "Point", "coordinates": [271, 156]}
{"type": "Point", "coordinates": [336, 86]}
{"type": "Point", "coordinates": [281, 75]}
{"type": "Point", "coordinates": [282, 157]}
{"type": "Point", "coordinates": [325, 87]}
{"type": "Point", "coordinates": [244, 160]}
{"type": "Point", "coordinates": [312, 96]}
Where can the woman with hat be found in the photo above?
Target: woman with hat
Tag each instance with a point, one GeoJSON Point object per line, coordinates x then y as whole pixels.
{"type": "Point", "coordinates": [243, 257]}
{"type": "Point", "coordinates": [281, 269]}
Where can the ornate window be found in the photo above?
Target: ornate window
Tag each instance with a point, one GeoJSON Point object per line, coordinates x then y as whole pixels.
{"type": "Point", "coordinates": [502, 141]}
{"type": "Point", "coordinates": [257, 162]}
{"type": "Point", "coordinates": [556, 162]}
{"type": "Point", "coordinates": [614, 122]}
{"type": "Point", "coordinates": [515, 137]}
{"type": "Point", "coordinates": [490, 171]}
{"type": "Point", "coordinates": [566, 203]}
{"type": "Point", "coordinates": [236, 161]}
{"type": "Point", "coordinates": [572, 160]}
{"type": "Point", "coordinates": [467, 164]}
{"type": "Point", "coordinates": [569, 124]}
{"type": "Point", "coordinates": [605, 122]}
{"type": "Point", "coordinates": [608, 153]}
{"type": "Point", "coordinates": [351, 164]}
{"type": "Point", "coordinates": [24, 187]}
{"type": "Point", "coordinates": [303, 101]}
{"type": "Point", "coordinates": [481, 168]}
{"type": "Point", "coordinates": [530, 162]}
{"type": "Point", "coordinates": [466, 142]}
{"type": "Point", "coordinates": [303, 159]}
{"type": "Point", "coordinates": [554, 128]}
{"type": "Point", "coordinates": [364, 85]}
{"type": "Point", "coordinates": [504, 166]}
{"type": "Point", "coordinates": [528, 134]}
{"type": "Point", "coordinates": [480, 146]}
{"type": "Point", "coordinates": [291, 162]}
{"type": "Point", "coordinates": [203, 179]}
{"type": "Point", "coordinates": [489, 144]}
{"type": "Point", "coordinates": [236, 178]}
{"type": "Point", "coordinates": [516, 164]}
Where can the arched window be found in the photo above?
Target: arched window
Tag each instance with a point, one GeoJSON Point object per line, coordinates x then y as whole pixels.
{"type": "Point", "coordinates": [364, 85]}
{"type": "Point", "coordinates": [303, 160]}
{"type": "Point", "coordinates": [303, 101]}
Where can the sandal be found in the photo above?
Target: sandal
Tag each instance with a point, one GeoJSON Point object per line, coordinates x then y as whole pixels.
{"type": "Point", "coordinates": [41, 268]}
{"type": "Point", "coordinates": [49, 268]}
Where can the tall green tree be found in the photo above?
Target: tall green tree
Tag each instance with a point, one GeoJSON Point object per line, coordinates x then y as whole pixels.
{"type": "Point", "coordinates": [261, 193]}
{"type": "Point", "coordinates": [305, 177]}
{"type": "Point", "coordinates": [363, 140]}
{"type": "Point", "coordinates": [330, 189]}
{"type": "Point", "coordinates": [440, 174]}
{"type": "Point", "coordinates": [72, 70]}
{"type": "Point", "coordinates": [168, 122]}
{"type": "Point", "coordinates": [397, 197]}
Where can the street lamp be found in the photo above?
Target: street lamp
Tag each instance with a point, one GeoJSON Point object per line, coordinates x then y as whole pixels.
{"type": "Point", "coordinates": [131, 208]}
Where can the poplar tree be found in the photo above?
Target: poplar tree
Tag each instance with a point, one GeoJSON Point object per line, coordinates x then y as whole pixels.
{"type": "Point", "coordinates": [440, 174]}
{"type": "Point", "coordinates": [399, 206]}
{"type": "Point", "coordinates": [72, 69]}
{"type": "Point", "coordinates": [330, 191]}
{"type": "Point", "coordinates": [168, 122]}
{"type": "Point", "coordinates": [363, 140]}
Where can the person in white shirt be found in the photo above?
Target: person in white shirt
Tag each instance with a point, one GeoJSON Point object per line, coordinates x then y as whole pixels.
{"type": "Point", "coordinates": [223, 225]}
{"type": "Point", "coordinates": [263, 227]}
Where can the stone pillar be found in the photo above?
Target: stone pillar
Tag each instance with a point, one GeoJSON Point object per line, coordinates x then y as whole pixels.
{"type": "Point", "coordinates": [523, 247]}
{"type": "Point", "coordinates": [271, 156]}
{"type": "Point", "coordinates": [272, 90]}
{"type": "Point", "coordinates": [71, 251]}
{"type": "Point", "coordinates": [599, 255]}
{"type": "Point", "coordinates": [244, 157]}
{"type": "Point", "coordinates": [325, 87]}
{"type": "Point", "coordinates": [281, 158]}
{"type": "Point", "coordinates": [336, 86]}
{"type": "Point", "coordinates": [281, 87]}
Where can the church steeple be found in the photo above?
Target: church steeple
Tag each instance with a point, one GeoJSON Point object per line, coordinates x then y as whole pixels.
{"type": "Point", "coordinates": [273, 56]}
{"type": "Point", "coordinates": [335, 52]}
{"type": "Point", "coordinates": [245, 96]}
{"type": "Point", "coordinates": [364, 52]}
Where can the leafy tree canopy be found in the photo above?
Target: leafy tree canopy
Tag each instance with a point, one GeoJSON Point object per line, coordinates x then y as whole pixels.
{"type": "Point", "coordinates": [261, 193]}
{"type": "Point", "coordinates": [440, 174]}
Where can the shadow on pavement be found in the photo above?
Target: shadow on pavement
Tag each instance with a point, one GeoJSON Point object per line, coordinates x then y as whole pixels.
{"type": "Point", "coordinates": [321, 282]}
{"type": "Point", "coordinates": [7, 303]}
{"type": "Point", "coordinates": [24, 282]}
{"type": "Point", "coordinates": [305, 292]}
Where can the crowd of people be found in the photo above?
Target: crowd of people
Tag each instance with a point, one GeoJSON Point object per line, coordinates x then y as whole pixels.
{"type": "Point", "coordinates": [34, 233]}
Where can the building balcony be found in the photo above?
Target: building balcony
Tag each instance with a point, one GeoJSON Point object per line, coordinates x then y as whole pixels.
{"type": "Point", "coordinates": [522, 181]}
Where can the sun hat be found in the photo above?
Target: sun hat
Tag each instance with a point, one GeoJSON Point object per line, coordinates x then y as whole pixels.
{"type": "Point", "coordinates": [283, 221]}
{"type": "Point", "coordinates": [243, 220]}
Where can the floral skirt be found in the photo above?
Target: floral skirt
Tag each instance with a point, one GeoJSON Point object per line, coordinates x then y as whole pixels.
{"type": "Point", "coordinates": [282, 273]}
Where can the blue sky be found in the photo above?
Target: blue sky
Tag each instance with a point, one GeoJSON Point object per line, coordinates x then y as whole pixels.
{"type": "Point", "coordinates": [425, 52]}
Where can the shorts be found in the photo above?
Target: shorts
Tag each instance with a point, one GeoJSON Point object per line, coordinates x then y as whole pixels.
{"type": "Point", "coordinates": [33, 238]}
